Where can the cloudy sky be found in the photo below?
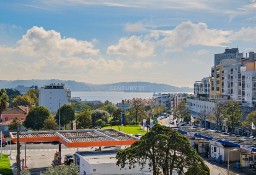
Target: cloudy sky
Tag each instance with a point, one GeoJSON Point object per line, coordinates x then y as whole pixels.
{"type": "Point", "coordinates": [106, 41]}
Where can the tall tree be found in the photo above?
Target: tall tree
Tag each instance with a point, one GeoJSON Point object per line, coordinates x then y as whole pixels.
{"type": "Point", "coordinates": [217, 116]}
{"type": "Point", "coordinates": [137, 110]}
{"type": "Point", "coordinates": [164, 150]}
{"type": "Point", "coordinates": [67, 115]}
{"type": "Point", "coordinates": [36, 117]}
{"type": "Point", "coordinates": [116, 120]}
{"type": "Point", "coordinates": [232, 115]}
{"type": "Point", "coordinates": [158, 110]}
{"type": "Point", "coordinates": [50, 123]}
{"type": "Point", "coordinates": [80, 106]}
{"type": "Point", "coordinates": [109, 107]}
{"type": "Point", "coordinates": [84, 119]}
{"type": "Point", "coordinates": [99, 114]}
{"type": "Point", "coordinates": [181, 112]}
{"type": "Point", "coordinates": [251, 117]}
{"type": "Point", "coordinates": [203, 117]}
{"type": "Point", "coordinates": [33, 94]}
{"type": "Point", "coordinates": [12, 93]}
{"type": "Point", "coordinates": [22, 101]}
{"type": "Point", "coordinates": [3, 100]}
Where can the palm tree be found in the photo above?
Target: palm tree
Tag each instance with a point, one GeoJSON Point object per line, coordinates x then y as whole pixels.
{"type": "Point", "coordinates": [3, 100]}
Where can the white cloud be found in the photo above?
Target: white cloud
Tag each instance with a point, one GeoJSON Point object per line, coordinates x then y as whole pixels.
{"type": "Point", "coordinates": [245, 34]}
{"type": "Point", "coordinates": [188, 34]}
{"type": "Point", "coordinates": [37, 40]}
{"type": "Point", "coordinates": [142, 64]}
{"type": "Point", "coordinates": [45, 54]}
{"type": "Point", "coordinates": [201, 52]}
{"type": "Point", "coordinates": [159, 4]}
{"type": "Point", "coordinates": [132, 46]}
{"type": "Point", "coordinates": [135, 27]}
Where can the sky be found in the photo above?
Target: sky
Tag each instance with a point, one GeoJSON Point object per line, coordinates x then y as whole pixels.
{"type": "Point", "coordinates": [107, 41]}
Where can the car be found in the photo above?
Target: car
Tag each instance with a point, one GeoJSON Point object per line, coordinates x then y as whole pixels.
{"type": "Point", "coordinates": [68, 159]}
{"type": "Point", "coordinates": [138, 135]}
{"type": "Point", "coordinates": [172, 122]}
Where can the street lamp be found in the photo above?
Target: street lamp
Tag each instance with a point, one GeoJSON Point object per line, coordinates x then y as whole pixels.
{"type": "Point", "coordinates": [235, 149]}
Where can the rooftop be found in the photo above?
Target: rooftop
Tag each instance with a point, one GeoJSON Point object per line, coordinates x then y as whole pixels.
{"type": "Point", "coordinates": [78, 138]}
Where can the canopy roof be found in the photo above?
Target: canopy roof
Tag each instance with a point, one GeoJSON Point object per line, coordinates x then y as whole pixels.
{"type": "Point", "coordinates": [77, 138]}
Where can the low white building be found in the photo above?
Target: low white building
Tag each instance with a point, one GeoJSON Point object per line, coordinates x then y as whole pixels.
{"type": "Point", "coordinates": [220, 152]}
{"type": "Point", "coordinates": [104, 163]}
{"type": "Point", "coordinates": [53, 96]}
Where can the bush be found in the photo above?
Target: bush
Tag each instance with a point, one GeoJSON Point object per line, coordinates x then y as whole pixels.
{"type": "Point", "coordinates": [5, 167]}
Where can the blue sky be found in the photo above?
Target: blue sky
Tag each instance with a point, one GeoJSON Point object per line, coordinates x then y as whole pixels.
{"type": "Point", "coordinates": [96, 41]}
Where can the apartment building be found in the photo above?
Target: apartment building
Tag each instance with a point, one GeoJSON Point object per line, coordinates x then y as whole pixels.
{"type": "Point", "coordinates": [53, 96]}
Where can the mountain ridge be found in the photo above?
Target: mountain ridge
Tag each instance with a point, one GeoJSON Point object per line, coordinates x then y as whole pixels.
{"type": "Point", "coordinates": [138, 86]}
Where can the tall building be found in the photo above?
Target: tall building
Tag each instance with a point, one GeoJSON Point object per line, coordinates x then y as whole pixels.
{"type": "Point", "coordinates": [54, 95]}
{"type": "Point", "coordinates": [232, 55]}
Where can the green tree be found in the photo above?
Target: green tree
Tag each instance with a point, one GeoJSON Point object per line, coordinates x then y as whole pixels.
{"type": "Point", "coordinates": [3, 100]}
{"type": "Point", "coordinates": [251, 117]}
{"type": "Point", "coordinates": [232, 115]}
{"type": "Point", "coordinates": [109, 107]}
{"type": "Point", "coordinates": [217, 116]}
{"type": "Point", "coordinates": [50, 123]}
{"type": "Point", "coordinates": [14, 124]}
{"type": "Point", "coordinates": [80, 106]}
{"type": "Point", "coordinates": [99, 114]}
{"type": "Point", "coordinates": [36, 117]}
{"type": "Point", "coordinates": [181, 112]}
{"type": "Point", "coordinates": [33, 95]}
{"type": "Point", "coordinates": [137, 110]}
{"type": "Point", "coordinates": [84, 119]}
{"type": "Point", "coordinates": [158, 110]}
{"type": "Point", "coordinates": [12, 93]}
{"type": "Point", "coordinates": [71, 169]}
{"type": "Point", "coordinates": [67, 115]}
{"type": "Point", "coordinates": [22, 101]}
{"type": "Point", "coordinates": [116, 120]}
{"type": "Point", "coordinates": [164, 150]}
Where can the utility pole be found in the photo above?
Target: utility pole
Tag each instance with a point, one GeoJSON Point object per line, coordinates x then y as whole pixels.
{"type": "Point", "coordinates": [18, 150]}
{"type": "Point", "coordinates": [59, 114]}
{"type": "Point", "coordinates": [1, 133]}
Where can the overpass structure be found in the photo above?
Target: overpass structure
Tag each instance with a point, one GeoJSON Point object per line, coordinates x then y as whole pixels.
{"type": "Point", "coordinates": [77, 138]}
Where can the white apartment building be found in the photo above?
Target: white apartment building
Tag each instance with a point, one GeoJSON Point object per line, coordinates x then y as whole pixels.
{"type": "Point", "coordinates": [231, 79]}
{"type": "Point", "coordinates": [53, 96]}
{"type": "Point", "coordinates": [202, 87]}
{"type": "Point", "coordinates": [196, 106]}
{"type": "Point", "coordinates": [165, 100]}
{"type": "Point", "coordinates": [248, 92]}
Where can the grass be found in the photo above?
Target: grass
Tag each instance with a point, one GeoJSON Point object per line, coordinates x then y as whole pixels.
{"type": "Point", "coordinates": [130, 129]}
{"type": "Point", "coordinates": [5, 167]}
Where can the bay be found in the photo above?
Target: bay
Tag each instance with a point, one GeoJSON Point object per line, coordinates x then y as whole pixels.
{"type": "Point", "coordinates": [114, 97]}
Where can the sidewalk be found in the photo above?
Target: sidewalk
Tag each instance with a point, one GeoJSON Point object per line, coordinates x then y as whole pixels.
{"type": "Point", "coordinates": [222, 168]}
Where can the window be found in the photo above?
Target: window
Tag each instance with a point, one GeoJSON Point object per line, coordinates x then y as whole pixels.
{"type": "Point", "coordinates": [215, 149]}
{"type": "Point", "coordinates": [94, 170]}
{"type": "Point", "coordinates": [6, 118]}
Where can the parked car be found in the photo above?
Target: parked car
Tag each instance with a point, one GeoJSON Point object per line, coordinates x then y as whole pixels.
{"type": "Point", "coordinates": [68, 159]}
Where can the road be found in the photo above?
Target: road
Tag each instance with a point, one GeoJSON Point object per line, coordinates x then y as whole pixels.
{"type": "Point", "coordinates": [39, 156]}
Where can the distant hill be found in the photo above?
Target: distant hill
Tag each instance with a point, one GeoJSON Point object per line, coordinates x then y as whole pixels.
{"type": "Point", "coordinates": [80, 86]}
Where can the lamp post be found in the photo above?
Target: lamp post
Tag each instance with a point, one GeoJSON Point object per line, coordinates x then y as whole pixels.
{"type": "Point", "coordinates": [228, 157]}
{"type": "Point", "coordinates": [59, 114]}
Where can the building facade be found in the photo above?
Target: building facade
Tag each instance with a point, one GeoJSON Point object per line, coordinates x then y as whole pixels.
{"type": "Point", "coordinates": [53, 96]}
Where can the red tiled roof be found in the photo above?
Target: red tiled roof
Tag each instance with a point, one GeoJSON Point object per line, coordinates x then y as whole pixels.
{"type": "Point", "coordinates": [15, 110]}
